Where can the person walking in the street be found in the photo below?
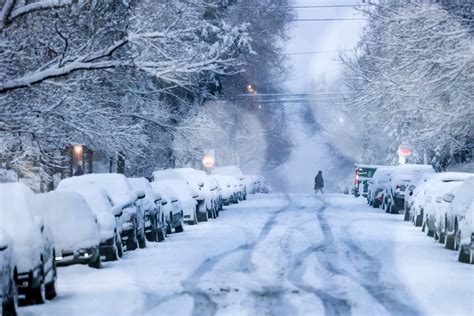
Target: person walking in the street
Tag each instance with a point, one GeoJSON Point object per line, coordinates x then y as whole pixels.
{"type": "Point", "coordinates": [319, 182]}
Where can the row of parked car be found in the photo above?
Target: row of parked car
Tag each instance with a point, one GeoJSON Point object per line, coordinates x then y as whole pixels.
{"type": "Point", "coordinates": [442, 204]}
{"type": "Point", "coordinates": [96, 217]}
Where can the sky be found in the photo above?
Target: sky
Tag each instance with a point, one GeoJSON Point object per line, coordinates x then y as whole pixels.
{"type": "Point", "coordinates": [313, 150]}
{"type": "Point", "coordinates": [320, 36]}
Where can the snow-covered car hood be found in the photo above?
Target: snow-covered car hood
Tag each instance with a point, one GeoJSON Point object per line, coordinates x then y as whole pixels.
{"type": "Point", "coordinates": [72, 223]}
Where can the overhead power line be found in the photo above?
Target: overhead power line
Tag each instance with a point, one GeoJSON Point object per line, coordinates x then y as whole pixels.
{"type": "Point", "coordinates": [292, 94]}
{"type": "Point", "coordinates": [316, 6]}
{"type": "Point", "coordinates": [319, 52]}
{"type": "Point", "coordinates": [326, 20]}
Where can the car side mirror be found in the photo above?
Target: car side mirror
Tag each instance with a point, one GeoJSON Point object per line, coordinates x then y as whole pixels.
{"type": "Point", "coordinates": [164, 202]}
{"type": "Point", "coordinates": [439, 199]}
{"type": "Point", "coordinates": [39, 222]}
{"type": "Point", "coordinates": [140, 194]}
{"type": "Point", "coordinates": [448, 197]}
{"type": "Point", "coordinates": [117, 211]}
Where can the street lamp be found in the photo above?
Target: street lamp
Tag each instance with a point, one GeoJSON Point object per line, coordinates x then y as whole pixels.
{"type": "Point", "coordinates": [251, 89]}
{"type": "Point", "coordinates": [78, 149]}
{"type": "Point", "coordinates": [208, 162]}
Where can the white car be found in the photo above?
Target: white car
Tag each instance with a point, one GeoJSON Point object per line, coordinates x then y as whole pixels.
{"type": "Point", "coordinates": [457, 205]}
{"type": "Point", "coordinates": [464, 241]}
{"type": "Point", "coordinates": [186, 197]}
{"type": "Point", "coordinates": [402, 177]}
{"type": "Point", "coordinates": [155, 226]}
{"type": "Point", "coordinates": [229, 188]}
{"type": "Point", "coordinates": [122, 195]}
{"type": "Point", "coordinates": [376, 185]}
{"type": "Point", "coordinates": [197, 180]}
{"type": "Point", "coordinates": [32, 247]}
{"type": "Point", "coordinates": [172, 209]}
{"type": "Point", "coordinates": [74, 227]}
{"type": "Point", "coordinates": [108, 217]}
{"type": "Point", "coordinates": [412, 191]}
{"type": "Point", "coordinates": [237, 173]}
{"type": "Point", "coordinates": [435, 189]}
{"type": "Point", "coordinates": [8, 270]}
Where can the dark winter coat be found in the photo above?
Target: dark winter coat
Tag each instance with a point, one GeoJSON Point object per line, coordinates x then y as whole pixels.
{"type": "Point", "coordinates": [318, 181]}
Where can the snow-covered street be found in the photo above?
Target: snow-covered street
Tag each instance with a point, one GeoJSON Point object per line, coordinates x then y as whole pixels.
{"type": "Point", "coordinates": [277, 255]}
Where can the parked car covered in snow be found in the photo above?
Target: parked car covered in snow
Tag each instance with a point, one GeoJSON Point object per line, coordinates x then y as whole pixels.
{"type": "Point", "coordinates": [155, 226]}
{"type": "Point", "coordinates": [435, 189]}
{"type": "Point", "coordinates": [236, 172]}
{"type": "Point", "coordinates": [32, 247]}
{"type": "Point", "coordinates": [8, 271]}
{"type": "Point", "coordinates": [412, 191]}
{"type": "Point", "coordinates": [108, 217]}
{"type": "Point", "coordinates": [172, 209]}
{"type": "Point", "coordinates": [453, 208]}
{"type": "Point", "coordinates": [186, 197]}
{"type": "Point", "coordinates": [74, 227]}
{"type": "Point", "coordinates": [229, 188]}
{"type": "Point", "coordinates": [402, 177]}
{"type": "Point", "coordinates": [464, 237]}
{"type": "Point", "coordinates": [122, 195]}
{"type": "Point", "coordinates": [196, 179]}
{"type": "Point", "coordinates": [376, 185]}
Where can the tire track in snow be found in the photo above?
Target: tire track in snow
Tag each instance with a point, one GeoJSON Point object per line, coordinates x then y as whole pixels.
{"type": "Point", "coordinates": [203, 303]}
{"type": "Point", "coordinates": [332, 304]}
{"type": "Point", "coordinates": [384, 293]}
{"type": "Point", "coordinates": [369, 278]}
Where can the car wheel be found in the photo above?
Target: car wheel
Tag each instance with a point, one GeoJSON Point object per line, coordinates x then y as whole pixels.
{"type": "Point", "coordinates": [113, 255]}
{"type": "Point", "coordinates": [10, 305]}
{"type": "Point", "coordinates": [427, 229]}
{"type": "Point", "coordinates": [406, 217]}
{"type": "Point", "coordinates": [464, 255]}
{"type": "Point", "coordinates": [142, 240]}
{"type": "Point", "coordinates": [418, 220]}
{"type": "Point", "coordinates": [168, 228]}
{"type": "Point", "coordinates": [179, 229]}
{"type": "Point", "coordinates": [449, 242]}
{"type": "Point", "coordinates": [193, 221]}
{"type": "Point", "coordinates": [97, 263]}
{"type": "Point", "coordinates": [51, 287]}
{"type": "Point", "coordinates": [119, 246]}
{"type": "Point", "coordinates": [38, 295]}
{"type": "Point", "coordinates": [441, 237]}
{"type": "Point", "coordinates": [161, 234]}
{"type": "Point", "coordinates": [151, 236]}
{"type": "Point", "coordinates": [203, 216]}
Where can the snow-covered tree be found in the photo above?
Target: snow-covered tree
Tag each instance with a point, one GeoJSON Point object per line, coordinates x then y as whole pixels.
{"type": "Point", "coordinates": [412, 79]}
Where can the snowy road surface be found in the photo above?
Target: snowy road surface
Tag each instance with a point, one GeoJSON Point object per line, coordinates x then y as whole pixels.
{"type": "Point", "coordinates": [277, 255]}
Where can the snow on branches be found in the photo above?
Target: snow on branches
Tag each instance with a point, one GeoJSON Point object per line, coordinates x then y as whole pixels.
{"type": "Point", "coordinates": [413, 80]}
{"type": "Point", "coordinates": [100, 72]}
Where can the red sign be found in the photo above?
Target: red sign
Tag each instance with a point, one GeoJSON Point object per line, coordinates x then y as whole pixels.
{"type": "Point", "coordinates": [404, 152]}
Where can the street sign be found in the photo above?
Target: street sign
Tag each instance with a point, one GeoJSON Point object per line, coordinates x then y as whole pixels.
{"type": "Point", "coordinates": [404, 152]}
